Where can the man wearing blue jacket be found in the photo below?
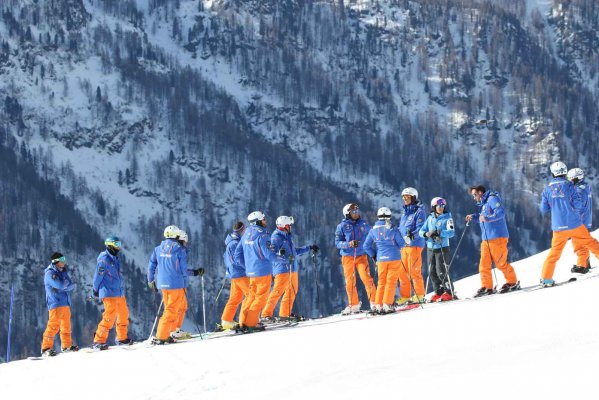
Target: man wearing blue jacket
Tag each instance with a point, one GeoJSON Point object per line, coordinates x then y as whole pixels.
{"type": "Point", "coordinates": [410, 223]}
{"type": "Point", "coordinates": [168, 272]}
{"type": "Point", "coordinates": [255, 252]}
{"type": "Point", "coordinates": [285, 272]}
{"type": "Point", "coordinates": [240, 283]}
{"type": "Point", "coordinates": [566, 207]}
{"type": "Point", "coordinates": [349, 239]}
{"type": "Point", "coordinates": [495, 237]}
{"type": "Point", "coordinates": [576, 176]}
{"type": "Point", "coordinates": [58, 284]}
{"type": "Point", "coordinates": [437, 230]}
{"type": "Point", "coordinates": [383, 244]}
{"type": "Point", "coordinates": [108, 287]}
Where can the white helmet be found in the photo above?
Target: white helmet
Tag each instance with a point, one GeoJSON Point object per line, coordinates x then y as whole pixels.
{"type": "Point", "coordinates": [558, 168]}
{"type": "Point", "coordinates": [283, 221]}
{"type": "Point", "coordinates": [383, 213]}
{"type": "Point", "coordinates": [349, 207]}
{"type": "Point", "coordinates": [575, 173]}
{"type": "Point", "coordinates": [183, 236]}
{"type": "Point", "coordinates": [256, 216]}
{"type": "Point", "coordinates": [410, 191]}
{"type": "Point", "coordinates": [171, 232]}
{"type": "Point", "coordinates": [438, 201]}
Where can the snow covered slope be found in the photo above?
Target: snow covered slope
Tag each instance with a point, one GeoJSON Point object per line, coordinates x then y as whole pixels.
{"type": "Point", "coordinates": [528, 344]}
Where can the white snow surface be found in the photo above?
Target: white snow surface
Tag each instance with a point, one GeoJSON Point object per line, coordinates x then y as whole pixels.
{"type": "Point", "coordinates": [538, 344]}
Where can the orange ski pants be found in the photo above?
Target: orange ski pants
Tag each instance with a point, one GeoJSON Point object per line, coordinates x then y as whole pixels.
{"type": "Point", "coordinates": [59, 319]}
{"type": "Point", "coordinates": [388, 273]}
{"type": "Point", "coordinates": [240, 287]}
{"type": "Point", "coordinates": [411, 269]}
{"type": "Point", "coordinates": [258, 295]}
{"type": "Point", "coordinates": [286, 285]}
{"type": "Point", "coordinates": [115, 309]}
{"type": "Point", "coordinates": [580, 238]}
{"type": "Point", "coordinates": [582, 253]}
{"type": "Point", "coordinates": [350, 265]}
{"type": "Point", "coordinates": [495, 251]}
{"type": "Point", "coordinates": [175, 306]}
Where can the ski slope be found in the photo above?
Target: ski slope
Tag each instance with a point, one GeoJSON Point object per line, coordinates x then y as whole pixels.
{"type": "Point", "coordinates": [538, 344]}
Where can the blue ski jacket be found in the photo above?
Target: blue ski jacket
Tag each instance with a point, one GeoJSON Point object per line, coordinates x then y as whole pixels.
{"type": "Point", "coordinates": [349, 230]}
{"type": "Point", "coordinates": [107, 277]}
{"type": "Point", "coordinates": [443, 224]}
{"type": "Point", "coordinates": [234, 270]}
{"type": "Point", "coordinates": [283, 240]}
{"type": "Point", "coordinates": [388, 242]}
{"type": "Point", "coordinates": [491, 207]}
{"type": "Point", "coordinates": [586, 199]}
{"type": "Point", "coordinates": [255, 252]}
{"type": "Point", "coordinates": [561, 198]}
{"type": "Point", "coordinates": [411, 221]}
{"type": "Point", "coordinates": [58, 284]}
{"type": "Point", "coordinates": [168, 265]}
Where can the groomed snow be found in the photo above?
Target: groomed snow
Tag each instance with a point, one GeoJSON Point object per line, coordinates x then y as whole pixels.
{"type": "Point", "coordinates": [540, 344]}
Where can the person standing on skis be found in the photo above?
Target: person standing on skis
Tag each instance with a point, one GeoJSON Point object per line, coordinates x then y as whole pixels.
{"type": "Point", "coordinates": [495, 237]}
{"type": "Point", "coordinates": [437, 230]}
{"type": "Point", "coordinates": [58, 285]}
{"type": "Point", "coordinates": [240, 283]}
{"type": "Point", "coordinates": [349, 239]}
{"type": "Point", "coordinates": [108, 286]}
{"type": "Point", "coordinates": [411, 254]}
{"type": "Point", "coordinates": [286, 282]}
{"type": "Point", "coordinates": [564, 202]}
{"type": "Point", "coordinates": [255, 251]}
{"type": "Point", "coordinates": [168, 272]}
{"type": "Point", "coordinates": [576, 176]}
{"type": "Point", "coordinates": [383, 244]}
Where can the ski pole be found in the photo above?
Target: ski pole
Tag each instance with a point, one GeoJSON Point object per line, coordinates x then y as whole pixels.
{"type": "Point", "coordinates": [219, 292]}
{"type": "Point", "coordinates": [203, 304]}
{"type": "Point", "coordinates": [316, 283]}
{"type": "Point", "coordinates": [447, 274]}
{"type": "Point", "coordinates": [156, 319]}
{"type": "Point", "coordinates": [12, 299]}
{"type": "Point", "coordinates": [458, 246]}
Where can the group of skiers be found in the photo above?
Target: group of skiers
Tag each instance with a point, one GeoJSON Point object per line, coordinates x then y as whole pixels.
{"type": "Point", "coordinates": [253, 256]}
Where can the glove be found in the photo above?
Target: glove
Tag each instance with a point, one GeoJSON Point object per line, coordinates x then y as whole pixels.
{"type": "Point", "coordinates": [291, 259]}
{"type": "Point", "coordinates": [410, 236]}
{"type": "Point", "coordinates": [374, 258]}
{"type": "Point", "coordinates": [353, 243]}
{"type": "Point", "coordinates": [281, 252]}
{"type": "Point", "coordinates": [198, 272]}
{"type": "Point", "coordinates": [314, 248]}
{"type": "Point", "coordinates": [407, 239]}
{"type": "Point", "coordinates": [96, 294]}
{"type": "Point", "coordinates": [152, 286]}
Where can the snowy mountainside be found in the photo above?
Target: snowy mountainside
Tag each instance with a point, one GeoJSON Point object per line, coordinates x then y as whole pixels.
{"type": "Point", "coordinates": [145, 113]}
{"type": "Point", "coordinates": [461, 348]}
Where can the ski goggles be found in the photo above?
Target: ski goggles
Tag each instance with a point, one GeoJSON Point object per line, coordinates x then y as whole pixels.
{"type": "Point", "coordinates": [354, 212]}
{"type": "Point", "coordinates": [59, 259]}
{"type": "Point", "coordinates": [116, 244]}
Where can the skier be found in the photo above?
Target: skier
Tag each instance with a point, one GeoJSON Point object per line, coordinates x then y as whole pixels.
{"type": "Point", "coordinates": [58, 284]}
{"type": "Point", "coordinates": [576, 176]}
{"type": "Point", "coordinates": [411, 254]}
{"type": "Point", "coordinates": [255, 252]}
{"type": "Point", "coordinates": [240, 283]}
{"type": "Point", "coordinates": [562, 199]}
{"type": "Point", "coordinates": [495, 237]}
{"type": "Point", "coordinates": [437, 230]}
{"type": "Point", "coordinates": [349, 239]}
{"type": "Point", "coordinates": [388, 242]}
{"type": "Point", "coordinates": [286, 282]}
{"type": "Point", "coordinates": [167, 271]}
{"type": "Point", "coordinates": [108, 287]}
